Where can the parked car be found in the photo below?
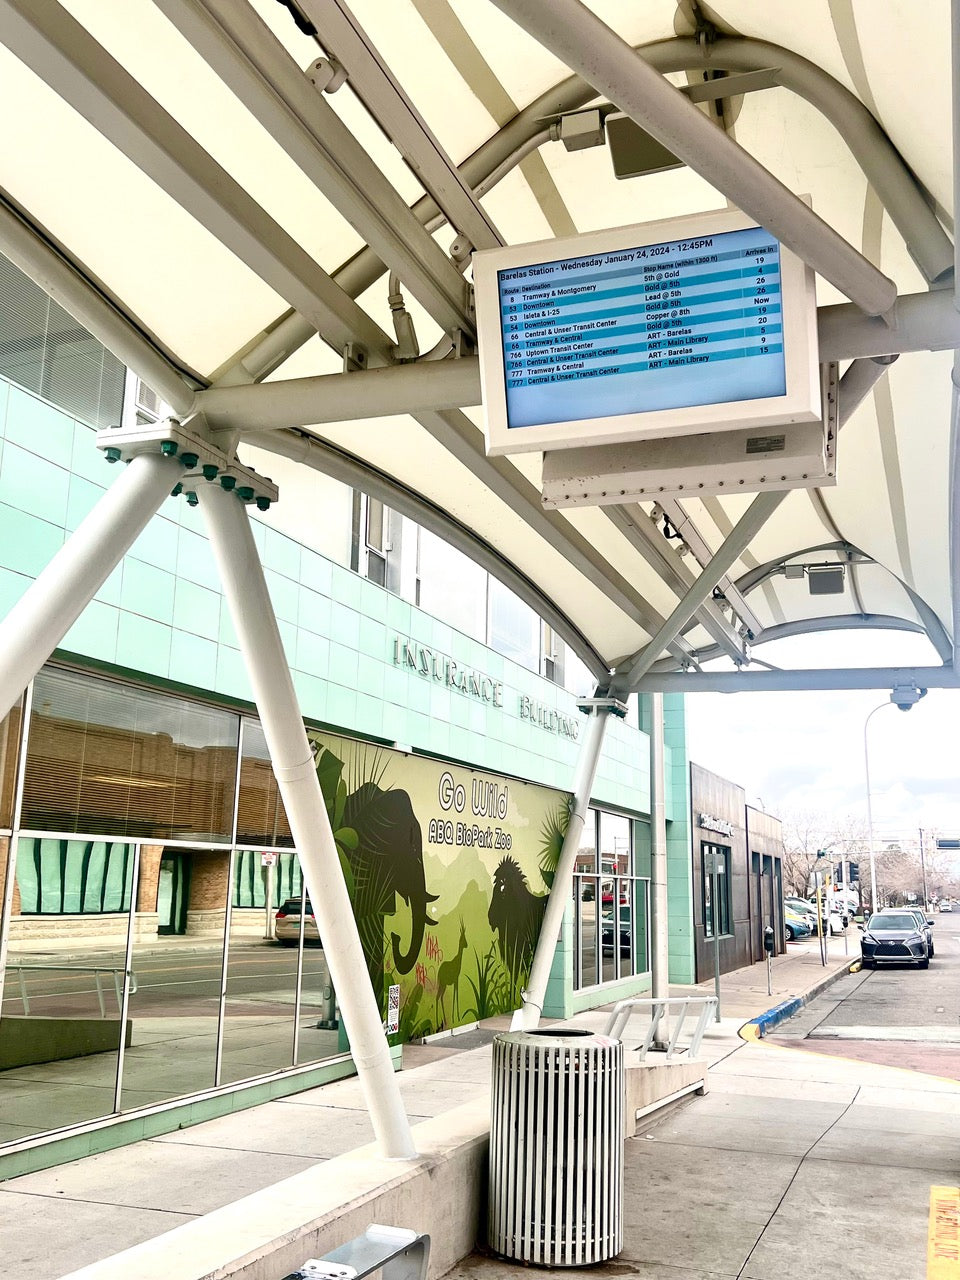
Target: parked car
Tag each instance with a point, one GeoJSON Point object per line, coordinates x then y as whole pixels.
{"type": "Point", "coordinates": [795, 925]}
{"type": "Point", "coordinates": [286, 925]}
{"type": "Point", "coordinates": [804, 908]}
{"type": "Point", "coordinates": [832, 921]}
{"type": "Point", "coordinates": [945, 904]}
{"type": "Point", "coordinates": [893, 937]}
{"type": "Point", "coordinates": [922, 919]}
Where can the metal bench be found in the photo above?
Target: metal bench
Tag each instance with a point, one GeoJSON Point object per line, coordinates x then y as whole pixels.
{"type": "Point", "coordinates": [679, 1006]}
{"type": "Point", "coordinates": [399, 1253]}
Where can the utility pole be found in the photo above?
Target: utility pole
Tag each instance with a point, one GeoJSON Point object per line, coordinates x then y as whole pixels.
{"type": "Point", "coordinates": [923, 874]}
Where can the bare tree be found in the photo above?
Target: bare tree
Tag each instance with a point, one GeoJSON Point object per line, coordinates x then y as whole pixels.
{"type": "Point", "coordinates": [806, 833]}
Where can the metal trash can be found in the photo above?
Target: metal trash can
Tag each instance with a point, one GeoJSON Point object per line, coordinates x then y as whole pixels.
{"type": "Point", "coordinates": [556, 1147]}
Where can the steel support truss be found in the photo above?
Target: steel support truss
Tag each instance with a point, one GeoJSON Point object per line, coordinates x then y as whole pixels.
{"type": "Point", "coordinates": [169, 458]}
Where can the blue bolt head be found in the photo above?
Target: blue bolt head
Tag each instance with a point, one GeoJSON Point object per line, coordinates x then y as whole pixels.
{"type": "Point", "coordinates": [263, 503]}
{"type": "Point", "coordinates": [189, 460]}
{"type": "Point", "coordinates": [209, 471]}
{"type": "Point", "coordinates": [228, 482]}
{"type": "Point", "coordinates": [112, 455]}
{"type": "Point", "coordinates": [176, 491]}
{"type": "Point", "coordinates": [168, 448]}
{"type": "Point", "coordinates": [192, 499]}
{"type": "Point", "coordinates": [245, 493]}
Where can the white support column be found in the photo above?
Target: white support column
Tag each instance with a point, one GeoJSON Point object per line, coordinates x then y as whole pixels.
{"type": "Point", "coordinates": [528, 1015]}
{"type": "Point", "coordinates": [660, 957]}
{"type": "Point", "coordinates": [255, 622]}
{"type": "Point", "coordinates": [51, 605]}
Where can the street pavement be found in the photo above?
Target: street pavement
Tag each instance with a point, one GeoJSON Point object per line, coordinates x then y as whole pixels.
{"type": "Point", "coordinates": [790, 1152]}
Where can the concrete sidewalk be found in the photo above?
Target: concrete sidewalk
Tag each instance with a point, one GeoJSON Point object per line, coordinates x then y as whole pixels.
{"type": "Point", "coordinates": [717, 1181]}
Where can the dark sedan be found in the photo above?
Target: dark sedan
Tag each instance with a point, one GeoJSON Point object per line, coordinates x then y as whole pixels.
{"type": "Point", "coordinates": [893, 938]}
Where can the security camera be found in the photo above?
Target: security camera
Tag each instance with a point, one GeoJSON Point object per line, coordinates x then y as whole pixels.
{"type": "Point", "coordinates": [906, 696]}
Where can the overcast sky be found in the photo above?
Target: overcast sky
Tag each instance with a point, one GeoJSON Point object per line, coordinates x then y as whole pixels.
{"type": "Point", "coordinates": [804, 751]}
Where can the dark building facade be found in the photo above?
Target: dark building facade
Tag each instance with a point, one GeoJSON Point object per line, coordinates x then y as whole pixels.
{"type": "Point", "coordinates": [736, 871]}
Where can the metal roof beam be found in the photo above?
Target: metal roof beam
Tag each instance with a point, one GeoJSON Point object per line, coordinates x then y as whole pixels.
{"type": "Point", "coordinates": [799, 680]}
{"type": "Point", "coordinates": [634, 524]}
{"type": "Point", "coordinates": [880, 161]}
{"type": "Point", "coordinates": [252, 62]}
{"type": "Point", "coordinates": [587, 45]}
{"type": "Point", "coordinates": [464, 441]}
{"type": "Point", "coordinates": [352, 471]}
{"type": "Point", "coordinates": [343, 397]}
{"type": "Point", "coordinates": [746, 528]}
{"type": "Point", "coordinates": [37, 258]}
{"type": "Point", "coordinates": [63, 54]}
{"type": "Point", "coordinates": [920, 322]}
{"type": "Point", "coordinates": [375, 85]}
{"type": "Point", "coordinates": [805, 627]}
{"type": "Point", "coordinates": [698, 545]}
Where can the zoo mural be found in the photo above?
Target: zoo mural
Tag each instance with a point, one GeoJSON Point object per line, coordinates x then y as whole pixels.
{"type": "Point", "coordinates": [448, 871]}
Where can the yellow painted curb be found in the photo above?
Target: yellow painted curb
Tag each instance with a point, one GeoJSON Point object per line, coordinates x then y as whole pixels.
{"type": "Point", "coordinates": [943, 1234]}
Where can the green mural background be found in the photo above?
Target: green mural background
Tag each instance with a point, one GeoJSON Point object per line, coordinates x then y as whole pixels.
{"type": "Point", "coordinates": [448, 870]}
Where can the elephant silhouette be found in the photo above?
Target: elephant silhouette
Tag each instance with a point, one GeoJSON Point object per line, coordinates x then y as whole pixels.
{"type": "Point", "coordinates": [515, 915]}
{"type": "Point", "coordinates": [386, 863]}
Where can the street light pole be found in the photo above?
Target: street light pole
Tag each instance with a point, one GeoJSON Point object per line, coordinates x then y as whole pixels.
{"type": "Point", "coordinates": [904, 697]}
{"type": "Point", "coordinates": [866, 774]}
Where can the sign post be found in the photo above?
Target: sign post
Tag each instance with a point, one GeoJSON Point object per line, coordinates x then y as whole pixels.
{"type": "Point", "coordinates": [268, 861]}
{"type": "Point", "coordinates": [711, 868]}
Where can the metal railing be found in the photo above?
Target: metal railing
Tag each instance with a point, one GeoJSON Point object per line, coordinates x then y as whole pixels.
{"type": "Point", "coordinates": [660, 1009]}
{"type": "Point", "coordinates": [96, 970]}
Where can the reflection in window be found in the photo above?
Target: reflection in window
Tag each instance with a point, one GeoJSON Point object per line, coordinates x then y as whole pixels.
{"type": "Point", "coordinates": [73, 877]}
{"type": "Point", "coordinates": [114, 759]}
{"type": "Point", "coordinates": [9, 750]}
{"type": "Point", "coordinates": [248, 879]}
{"type": "Point", "coordinates": [514, 627]}
{"type": "Point", "coordinates": [261, 819]}
{"type": "Point", "coordinates": [450, 586]}
{"type": "Point", "coordinates": [611, 903]}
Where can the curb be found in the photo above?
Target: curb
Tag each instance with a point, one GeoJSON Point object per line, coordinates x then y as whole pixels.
{"type": "Point", "coordinates": [758, 1027]}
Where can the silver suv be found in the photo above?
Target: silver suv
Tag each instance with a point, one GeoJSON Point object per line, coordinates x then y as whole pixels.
{"type": "Point", "coordinates": [924, 923]}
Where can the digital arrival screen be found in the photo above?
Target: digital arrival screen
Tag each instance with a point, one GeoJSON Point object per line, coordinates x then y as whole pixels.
{"type": "Point", "coordinates": [661, 326]}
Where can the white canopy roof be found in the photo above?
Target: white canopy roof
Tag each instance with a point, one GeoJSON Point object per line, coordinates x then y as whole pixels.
{"type": "Point", "coordinates": [172, 176]}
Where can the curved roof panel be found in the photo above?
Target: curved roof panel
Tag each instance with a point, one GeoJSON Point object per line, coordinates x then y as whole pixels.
{"type": "Point", "coordinates": [231, 211]}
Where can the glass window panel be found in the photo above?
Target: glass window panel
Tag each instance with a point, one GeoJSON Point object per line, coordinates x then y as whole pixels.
{"type": "Point", "coordinates": [514, 627]}
{"type": "Point", "coordinates": [45, 350]}
{"type": "Point", "coordinates": [261, 818]}
{"type": "Point", "coordinates": [616, 849]}
{"type": "Point", "coordinates": [451, 587]}
{"type": "Point", "coordinates": [174, 1012]}
{"type": "Point", "coordinates": [60, 1016]}
{"type": "Point", "coordinates": [9, 752]}
{"type": "Point", "coordinates": [260, 1011]}
{"type": "Point", "coordinates": [249, 881]}
{"type": "Point", "coordinates": [375, 524]}
{"type": "Point", "coordinates": [73, 877]}
{"type": "Point", "coordinates": [114, 759]}
{"type": "Point", "coordinates": [319, 1032]}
